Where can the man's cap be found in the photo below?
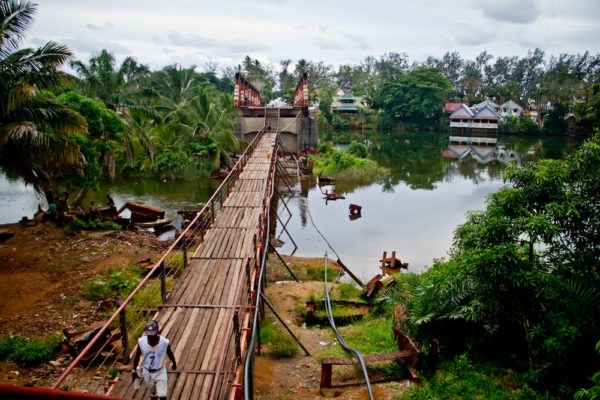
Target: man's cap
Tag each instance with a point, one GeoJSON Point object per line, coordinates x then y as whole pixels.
{"type": "Point", "coordinates": [151, 328]}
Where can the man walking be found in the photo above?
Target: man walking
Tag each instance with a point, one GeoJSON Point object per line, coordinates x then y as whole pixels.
{"type": "Point", "coordinates": [153, 348]}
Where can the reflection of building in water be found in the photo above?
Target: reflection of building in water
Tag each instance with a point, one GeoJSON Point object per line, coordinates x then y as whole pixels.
{"type": "Point", "coordinates": [483, 150]}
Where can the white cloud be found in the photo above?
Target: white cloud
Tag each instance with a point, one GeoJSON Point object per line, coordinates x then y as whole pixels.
{"type": "Point", "coordinates": [514, 11]}
{"type": "Point", "coordinates": [157, 33]}
{"type": "Point", "coordinates": [472, 35]}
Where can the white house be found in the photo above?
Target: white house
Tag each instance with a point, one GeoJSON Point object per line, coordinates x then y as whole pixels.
{"type": "Point", "coordinates": [510, 109]}
{"type": "Point", "coordinates": [487, 103]}
{"type": "Point", "coordinates": [466, 118]}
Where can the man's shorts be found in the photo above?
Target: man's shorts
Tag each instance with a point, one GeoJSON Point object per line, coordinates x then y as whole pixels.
{"type": "Point", "coordinates": [156, 382]}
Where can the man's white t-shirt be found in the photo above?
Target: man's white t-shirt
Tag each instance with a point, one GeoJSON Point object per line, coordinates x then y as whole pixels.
{"type": "Point", "coordinates": [153, 356]}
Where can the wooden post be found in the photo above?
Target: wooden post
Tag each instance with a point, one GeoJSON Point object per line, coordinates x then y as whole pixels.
{"type": "Point", "coordinates": [185, 254]}
{"type": "Point", "coordinates": [163, 282]}
{"type": "Point", "coordinates": [326, 375]}
{"type": "Point", "coordinates": [383, 259]}
{"type": "Point", "coordinates": [238, 345]}
{"type": "Point", "coordinates": [124, 339]}
{"type": "Point", "coordinates": [393, 260]}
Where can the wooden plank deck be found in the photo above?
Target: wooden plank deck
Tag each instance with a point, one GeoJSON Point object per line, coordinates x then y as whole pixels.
{"type": "Point", "coordinates": [200, 305]}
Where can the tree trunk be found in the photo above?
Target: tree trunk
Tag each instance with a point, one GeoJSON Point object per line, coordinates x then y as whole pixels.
{"type": "Point", "coordinates": [80, 196]}
{"type": "Point", "coordinates": [110, 165]}
{"type": "Point", "coordinates": [528, 340]}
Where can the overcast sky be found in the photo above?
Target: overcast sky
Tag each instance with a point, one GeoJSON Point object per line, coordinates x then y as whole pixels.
{"type": "Point", "coordinates": [192, 32]}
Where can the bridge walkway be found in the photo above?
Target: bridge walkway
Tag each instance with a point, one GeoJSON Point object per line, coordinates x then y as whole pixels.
{"type": "Point", "coordinates": [202, 306]}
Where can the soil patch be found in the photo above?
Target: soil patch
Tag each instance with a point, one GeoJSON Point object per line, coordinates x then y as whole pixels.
{"type": "Point", "coordinates": [43, 269]}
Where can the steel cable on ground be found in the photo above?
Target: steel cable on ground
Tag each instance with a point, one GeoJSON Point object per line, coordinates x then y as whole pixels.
{"type": "Point", "coordinates": [340, 339]}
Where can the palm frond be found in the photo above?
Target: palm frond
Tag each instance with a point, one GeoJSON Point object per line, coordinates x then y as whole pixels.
{"type": "Point", "coordinates": [15, 18]}
{"type": "Point", "coordinates": [587, 296]}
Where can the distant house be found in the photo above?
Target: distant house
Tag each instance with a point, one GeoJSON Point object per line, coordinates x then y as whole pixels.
{"type": "Point", "coordinates": [487, 103]}
{"type": "Point", "coordinates": [571, 123]}
{"type": "Point", "coordinates": [449, 107]}
{"type": "Point", "coordinates": [535, 116]}
{"type": "Point", "coordinates": [510, 109]}
{"type": "Point", "coordinates": [465, 118]}
{"type": "Point", "coordinates": [348, 103]}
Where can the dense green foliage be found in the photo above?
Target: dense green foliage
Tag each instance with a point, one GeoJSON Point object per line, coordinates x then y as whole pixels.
{"type": "Point", "coordinates": [174, 122]}
{"type": "Point", "coordinates": [521, 284]}
{"type": "Point", "coordinates": [93, 224]}
{"type": "Point", "coordinates": [594, 391]}
{"type": "Point", "coordinates": [28, 352]}
{"type": "Point", "coordinates": [351, 165]}
{"type": "Point", "coordinates": [415, 95]}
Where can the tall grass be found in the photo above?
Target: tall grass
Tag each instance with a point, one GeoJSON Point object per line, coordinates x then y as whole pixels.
{"type": "Point", "coordinates": [461, 379]}
{"type": "Point", "coordinates": [278, 343]}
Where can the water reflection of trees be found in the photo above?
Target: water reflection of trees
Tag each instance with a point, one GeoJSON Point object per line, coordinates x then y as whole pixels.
{"type": "Point", "coordinates": [417, 158]}
{"type": "Point", "coordinates": [413, 158]}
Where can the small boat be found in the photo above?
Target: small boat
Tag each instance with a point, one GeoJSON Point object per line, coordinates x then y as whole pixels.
{"type": "Point", "coordinates": [333, 196]}
{"type": "Point", "coordinates": [220, 174]}
{"type": "Point", "coordinates": [154, 224]}
{"type": "Point", "coordinates": [142, 212]}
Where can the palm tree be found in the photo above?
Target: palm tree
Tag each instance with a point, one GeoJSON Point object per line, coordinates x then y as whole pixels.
{"type": "Point", "coordinates": [35, 131]}
{"type": "Point", "coordinates": [100, 80]}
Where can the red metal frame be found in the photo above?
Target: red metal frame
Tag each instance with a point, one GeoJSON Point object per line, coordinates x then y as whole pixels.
{"type": "Point", "coordinates": [301, 94]}
{"type": "Point", "coordinates": [244, 93]}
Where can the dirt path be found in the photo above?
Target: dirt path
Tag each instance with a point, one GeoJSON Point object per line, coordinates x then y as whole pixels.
{"type": "Point", "coordinates": [298, 378]}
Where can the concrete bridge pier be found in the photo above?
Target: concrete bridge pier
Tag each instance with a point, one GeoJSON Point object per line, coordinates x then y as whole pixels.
{"type": "Point", "coordinates": [297, 129]}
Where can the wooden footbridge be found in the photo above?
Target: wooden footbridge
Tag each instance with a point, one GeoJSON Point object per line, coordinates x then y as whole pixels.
{"type": "Point", "coordinates": [208, 312]}
{"type": "Point", "coordinates": [204, 292]}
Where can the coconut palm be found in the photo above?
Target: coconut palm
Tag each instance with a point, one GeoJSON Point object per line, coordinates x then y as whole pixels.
{"type": "Point", "coordinates": [120, 90]}
{"type": "Point", "coordinates": [35, 131]}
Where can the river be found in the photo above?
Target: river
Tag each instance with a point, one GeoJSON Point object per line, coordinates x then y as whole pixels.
{"type": "Point", "coordinates": [414, 211]}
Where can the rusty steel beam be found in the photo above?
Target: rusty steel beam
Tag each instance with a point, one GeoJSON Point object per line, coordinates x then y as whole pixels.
{"type": "Point", "coordinates": [301, 94]}
{"type": "Point", "coordinates": [244, 93]}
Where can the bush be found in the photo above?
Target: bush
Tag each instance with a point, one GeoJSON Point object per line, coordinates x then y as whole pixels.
{"type": "Point", "coordinates": [172, 163]}
{"type": "Point", "coordinates": [123, 281]}
{"type": "Point", "coordinates": [346, 166]}
{"type": "Point", "coordinates": [120, 281]}
{"type": "Point", "coordinates": [358, 149]}
{"type": "Point", "coordinates": [28, 352]}
{"type": "Point", "coordinates": [96, 289]}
